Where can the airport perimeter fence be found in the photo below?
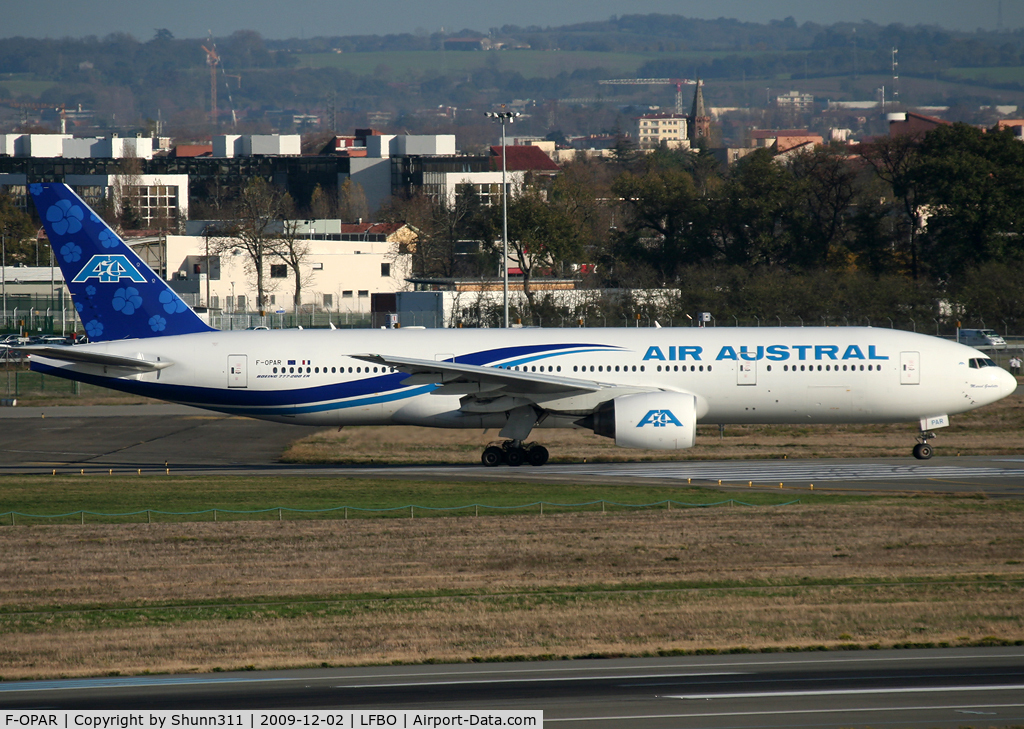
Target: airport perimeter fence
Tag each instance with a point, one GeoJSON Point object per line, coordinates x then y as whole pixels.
{"type": "Point", "coordinates": [55, 320]}
{"type": "Point", "coordinates": [17, 382]}
{"type": "Point", "coordinates": [344, 513]}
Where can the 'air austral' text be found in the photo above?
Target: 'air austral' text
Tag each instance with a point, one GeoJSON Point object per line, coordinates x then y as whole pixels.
{"type": "Point", "coordinates": [771, 352]}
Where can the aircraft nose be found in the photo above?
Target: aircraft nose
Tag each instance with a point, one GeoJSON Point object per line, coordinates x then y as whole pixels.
{"type": "Point", "coordinates": [1007, 383]}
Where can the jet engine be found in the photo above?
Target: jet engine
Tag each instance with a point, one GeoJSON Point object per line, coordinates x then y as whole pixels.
{"type": "Point", "coordinates": [660, 420]}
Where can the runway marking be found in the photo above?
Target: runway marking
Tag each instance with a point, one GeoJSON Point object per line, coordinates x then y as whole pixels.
{"type": "Point", "coordinates": [406, 684]}
{"type": "Point", "coordinates": [846, 692]}
{"type": "Point", "coordinates": [704, 715]}
{"type": "Point", "coordinates": [691, 668]}
{"type": "Point", "coordinates": [794, 472]}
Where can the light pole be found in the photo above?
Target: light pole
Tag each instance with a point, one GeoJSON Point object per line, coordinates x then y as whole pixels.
{"type": "Point", "coordinates": [3, 274]}
{"type": "Point", "coordinates": [504, 116]}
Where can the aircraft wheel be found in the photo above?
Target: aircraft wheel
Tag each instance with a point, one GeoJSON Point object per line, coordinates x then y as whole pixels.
{"type": "Point", "coordinates": [515, 456]}
{"type": "Point", "coordinates": [492, 456]}
{"type": "Point", "coordinates": [922, 451]}
{"type": "Point", "coordinates": [538, 455]}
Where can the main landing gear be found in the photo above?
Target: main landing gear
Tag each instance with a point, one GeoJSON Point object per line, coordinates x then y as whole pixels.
{"type": "Point", "coordinates": [923, 451]}
{"type": "Point", "coordinates": [514, 453]}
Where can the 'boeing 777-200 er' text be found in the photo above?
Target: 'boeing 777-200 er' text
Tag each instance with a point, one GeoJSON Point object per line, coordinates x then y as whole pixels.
{"type": "Point", "coordinates": [646, 388]}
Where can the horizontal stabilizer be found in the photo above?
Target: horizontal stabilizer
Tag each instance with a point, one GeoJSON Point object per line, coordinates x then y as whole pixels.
{"type": "Point", "coordinates": [80, 355]}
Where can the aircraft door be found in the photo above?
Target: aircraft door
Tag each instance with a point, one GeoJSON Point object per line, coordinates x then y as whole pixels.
{"type": "Point", "coordinates": [746, 372]}
{"type": "Point", "coordinates": [910, 368]}
{"type": "Point", "coordinates": [237, 376]}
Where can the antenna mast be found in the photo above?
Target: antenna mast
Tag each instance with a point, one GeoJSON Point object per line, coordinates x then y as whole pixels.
{"type": "Point", "coordinates": [895, 76]}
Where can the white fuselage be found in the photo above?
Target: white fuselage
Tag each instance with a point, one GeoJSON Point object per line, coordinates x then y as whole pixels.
{"type": "Point", "coordinates": [737, 375]}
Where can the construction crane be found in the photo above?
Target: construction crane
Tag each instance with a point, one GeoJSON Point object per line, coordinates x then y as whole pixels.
{"type": "Point", "coordinates": [212, 59]}
{"type": "Point", "coordinates": [677, 82]}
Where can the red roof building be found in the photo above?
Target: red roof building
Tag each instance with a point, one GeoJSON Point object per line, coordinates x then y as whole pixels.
{"type": "Point", "coordinates": [914, 125]}
{"type": "Point", "coordinates": [523, 159]}
{"type": "Point", "coordinates": [192, 150]}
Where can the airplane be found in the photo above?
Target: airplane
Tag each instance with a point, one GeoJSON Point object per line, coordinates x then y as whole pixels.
{"type": "Point", "coordinates": [642, 387]}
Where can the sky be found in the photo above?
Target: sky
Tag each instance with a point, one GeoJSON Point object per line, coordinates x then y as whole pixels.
{"type": "Point", "coordinates": [308, 18]}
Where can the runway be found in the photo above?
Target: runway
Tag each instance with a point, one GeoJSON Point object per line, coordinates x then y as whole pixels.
{"type": "Point", "coordinates": [933, 688]}
{"type": "Point", "coordinates": [192, 441]}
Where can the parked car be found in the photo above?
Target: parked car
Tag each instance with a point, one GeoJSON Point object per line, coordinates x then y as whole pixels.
{"type": "Point", "coordinates": [981, 339]}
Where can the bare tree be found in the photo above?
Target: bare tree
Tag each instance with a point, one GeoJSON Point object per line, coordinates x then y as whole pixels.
{"type": "Point", "coordinates": [255, 230]}
{"type": "Point", "coordinates": [294, 251]}
{"type": "Point", "coordinates": [126, 197]}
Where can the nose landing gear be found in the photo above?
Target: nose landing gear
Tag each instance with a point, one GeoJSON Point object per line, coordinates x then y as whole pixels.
{"type": "Point", "coordinates": [923, 451]}
{"type": "Point", "coordinates": [514, 453]}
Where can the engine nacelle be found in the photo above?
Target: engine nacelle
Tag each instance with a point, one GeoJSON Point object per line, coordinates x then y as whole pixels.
{"type": "Point", "coordinates": [659, 420]}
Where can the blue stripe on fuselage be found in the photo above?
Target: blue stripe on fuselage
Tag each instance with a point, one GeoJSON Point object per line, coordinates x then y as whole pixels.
{"type": "Point", "coordinates": [333, 396]}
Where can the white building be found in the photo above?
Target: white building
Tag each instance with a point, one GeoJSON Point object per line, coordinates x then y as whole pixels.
{"type": "Point", "coordinates": [339, 274]}
{"type": "Point", "coordinates": [254, 145]}
{"type": "Point", "coordinates": [160, 200]}
{"type": "Point", "coordinates": [795, 101]}
{"type": "Point", "coordinates": [70, 147]}
{"type": "Point", "coordinates": [653, 130]}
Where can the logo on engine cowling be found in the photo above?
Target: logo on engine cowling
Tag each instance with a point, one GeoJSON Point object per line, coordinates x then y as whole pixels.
{"type": "Point", "coordinates": [659, 419]}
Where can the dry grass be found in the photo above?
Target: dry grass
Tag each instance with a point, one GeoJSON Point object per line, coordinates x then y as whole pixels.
{"type": "Point", "coordinates": [455, 588]}
{"type": "Point", "coordinates": [993, 430]}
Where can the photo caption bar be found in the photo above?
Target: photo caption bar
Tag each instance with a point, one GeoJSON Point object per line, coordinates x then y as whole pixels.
{"type": "Point", "coordinates": [286, 719]}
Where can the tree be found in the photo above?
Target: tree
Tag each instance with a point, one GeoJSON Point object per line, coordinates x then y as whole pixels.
{"type": "Point", "coordinates": [581, 191]}
{"type": "Point", "coordinates": [662, 201]}
{"type": "Point", "coordinates": [17, 231]}
{"type": "Point", "coordinates": [973, 183]}
{"type": "Point", "coordinates": [294, 251]}
{"type": "Point", "coordinates": [254, 229]}
{"type": "Point", "coordinates": [754, 218]}
{"type": "Point", "coordinates": [826, 184]}
{"type": "Point", "coordinates": [448, 232]}
{"type": "Point", "coordinates": [539, 236]}
{"type": "Point", "coordinates": [894, 160]}
{"type": "Point", "coordinates": [352, 205]}
{"type": "Point", "coordinates": [322, 204]}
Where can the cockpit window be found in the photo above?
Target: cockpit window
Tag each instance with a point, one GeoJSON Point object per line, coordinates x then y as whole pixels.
{"type": "Point", "coordinates": [978, 363]}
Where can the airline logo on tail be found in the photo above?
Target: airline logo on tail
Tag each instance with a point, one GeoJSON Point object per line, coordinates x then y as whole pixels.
{"type": "Point", "coordinates": [109, 269]}
{"type": "Point", "coordinates": [659, 419]}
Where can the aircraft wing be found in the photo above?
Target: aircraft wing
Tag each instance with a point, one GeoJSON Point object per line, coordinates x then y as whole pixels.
{"type": "Point", "coordinates": [80, 355]}
{"type": "Point", "coordinates": [455, 378]}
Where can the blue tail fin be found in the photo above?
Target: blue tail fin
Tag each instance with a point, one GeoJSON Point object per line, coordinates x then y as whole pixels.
{"type": "Point", "coordinates": [116, 294]}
